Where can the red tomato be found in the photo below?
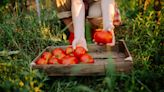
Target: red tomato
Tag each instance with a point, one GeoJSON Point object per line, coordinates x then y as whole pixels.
{"type": "Point", "coordinates": [46, 55]}
{"type": "Point", "coordinates": [58, 53]}
{"type": "Point", "coordinates": [67, 60]}
{"type": "Point", "coordinates": [79, 51]}
{"type": "Point", "coordinates": [61, 56]}
{"type": "Point", "coordinates": [54, 60]}
{"type": "Point", "coordinates": [86, 58]}
{"type": "Point", "coordinates": [41, 61]}
{"type": "Point", "coordinates": [103, 37]}
{"type": "Point", "coordinates": [69, 50]}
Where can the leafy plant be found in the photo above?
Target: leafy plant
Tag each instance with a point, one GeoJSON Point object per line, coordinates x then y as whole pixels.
{"type": "Point", "coordinates": [23, 32]}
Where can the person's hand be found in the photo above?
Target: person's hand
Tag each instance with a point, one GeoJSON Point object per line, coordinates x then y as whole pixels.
{"type": "Point", "coordinates": [79, 42]}
{"type": "Point", "coordinates": [113, 39]}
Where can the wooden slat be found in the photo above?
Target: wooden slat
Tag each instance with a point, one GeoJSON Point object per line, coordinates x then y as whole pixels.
{"type": "Point", "coordinates": [103, 56]}
{"type": "Point", "coordinates": [72, 70]}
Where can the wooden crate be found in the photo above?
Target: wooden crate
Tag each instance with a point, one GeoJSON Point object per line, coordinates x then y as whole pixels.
{"type": "Point", "coordinates": [103, 56]}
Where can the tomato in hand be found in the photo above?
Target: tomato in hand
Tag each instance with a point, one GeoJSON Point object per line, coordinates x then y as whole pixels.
{"type": "Point", "coordinates": [69, 50]}
{"type": "Point", "coordinates": [86, 58]}
{"type": "Point", "coordinates": [58, 53]}
{"type": "Point", "coordinates": [41, 61]}
{"type": "Point", "coordinates": [103, 36]}
{"type": "Point", "coordinates": [79, 51]}
{"type": "Point", "coordinates": [54, 60]}
{"type": "Point", "coordinates": [67, 60]}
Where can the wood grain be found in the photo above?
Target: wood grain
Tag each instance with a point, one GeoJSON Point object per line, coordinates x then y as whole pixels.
{"type": "Point", "coordinates": [104, 57]}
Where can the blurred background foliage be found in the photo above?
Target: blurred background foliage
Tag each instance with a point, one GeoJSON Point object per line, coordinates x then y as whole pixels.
{"type": "Point", "coordinates": [21, 29]}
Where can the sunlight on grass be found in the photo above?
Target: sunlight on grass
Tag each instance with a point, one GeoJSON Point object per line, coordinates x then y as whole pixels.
{"type": "Point", "coordinates": [48, 35]}
{"type": "Point", "coordinates": [20, 30]}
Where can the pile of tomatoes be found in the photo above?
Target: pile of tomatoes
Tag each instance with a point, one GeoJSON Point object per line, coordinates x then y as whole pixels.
{"type": "Point", "coordinates": [67, 56]}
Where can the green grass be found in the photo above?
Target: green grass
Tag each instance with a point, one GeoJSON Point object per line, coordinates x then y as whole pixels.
{"type": "Point", "coordinates": [22, 32]}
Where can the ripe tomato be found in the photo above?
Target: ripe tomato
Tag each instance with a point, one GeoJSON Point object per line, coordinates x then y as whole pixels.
{"type": "Point", "coordinates": [79, 51]}
{"type": "Point", "coordinates": [58, 53]}
{"type": "Point", "coordinates": [61, 56]}
{"type": "Point", "coordinates": [41, 61]}
{"type": "Point", "coordinates": [54, 60]}
{"type": "Point", "coordinates": [69, 50]}
{"type": "Point", "coordinates": [103, 37]}
{"type": "Point", "coordinates": [46, 55]}
{"type": "Point", "coordinates": [67, 60]}
{"type": "Point", "coordinates": [86, 58]}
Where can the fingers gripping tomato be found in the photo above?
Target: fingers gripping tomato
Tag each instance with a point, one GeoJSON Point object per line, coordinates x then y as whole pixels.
{"type": "Point", "coordinates": [103, 37]}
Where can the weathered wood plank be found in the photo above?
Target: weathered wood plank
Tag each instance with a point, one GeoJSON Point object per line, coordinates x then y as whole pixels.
{"type": "Point", "coordinates": [103, 56]}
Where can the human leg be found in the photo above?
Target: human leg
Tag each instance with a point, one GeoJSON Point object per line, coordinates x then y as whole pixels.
{"type": "Point", "coordinates": [108, 14]}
